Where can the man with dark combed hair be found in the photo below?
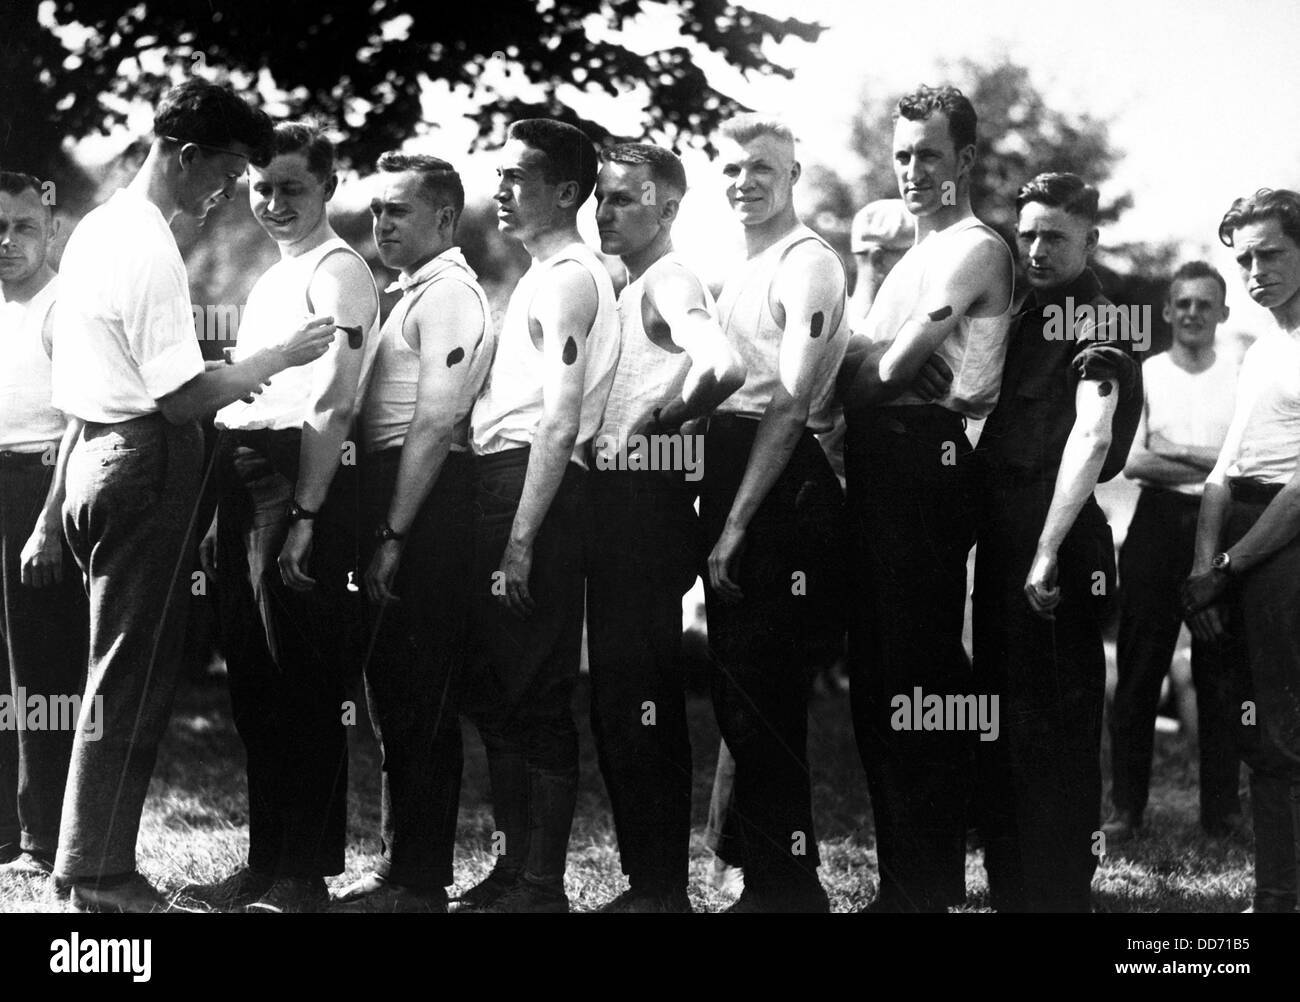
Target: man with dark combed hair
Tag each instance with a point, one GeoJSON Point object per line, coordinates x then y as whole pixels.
{"type": "Point", "coordinates": [642, 532]}
{"type": "Point", "coordinates": [944, 309]}
{"type": "Point", "coordinates": [1250, 591]}
{"type": "Point", "coordinates": [530, 432]}
{"type": "Point", "coordinates": [43, 613]}
{"type": "Point", "coordinates": [1069, 405]}
{"type": "Point", "coordinates": [128, 368]}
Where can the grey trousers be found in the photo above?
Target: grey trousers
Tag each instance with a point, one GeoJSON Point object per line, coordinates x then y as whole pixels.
{"type": "Point", "coordinates": [133, 489]}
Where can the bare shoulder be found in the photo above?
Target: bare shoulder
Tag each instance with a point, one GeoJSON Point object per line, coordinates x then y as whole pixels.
{"type": "Point", "coordinates": [673, 281]}
{"type": "Point", "coordinates": [811, 264]}
{"type": "Point", "coordinates": [570, 288]}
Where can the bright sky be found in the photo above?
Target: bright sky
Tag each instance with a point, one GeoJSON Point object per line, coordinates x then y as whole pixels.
{"type": "Point", "coordinates": [1200, 95]}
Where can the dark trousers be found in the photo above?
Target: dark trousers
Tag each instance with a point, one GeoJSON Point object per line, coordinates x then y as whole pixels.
{"type": "Point", "coordinates": [417, 649]}
{"type": "Point", "coordinates": [1264, 652]}
{"type": "Point", "coordinates": [129, 515]}
{"type": "Point", "coordinates": [42, 654]}
{"type": "Point", "coordinates": [911, 527]}
{"type": "Point", "coordinates": [1155, 560]}
{"type": "Point", "coordinates": [791, 574]}
{"type": "Point", "coordinates": [722, 831]}
{"type": "Point", "coordinates": [643, 546]}
{"type": "Point", "coordinates": [1039, 783]}
{"type": "Point", "coordinates": [522, 672]}
{"type": "Point", "coordinates": [289, 654]}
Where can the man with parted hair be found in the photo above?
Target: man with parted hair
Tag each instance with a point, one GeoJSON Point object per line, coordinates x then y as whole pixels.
{"type": "Point", "coordinates": [43, 615]}
{"type": "Point", "coordinates": [643, 538]}
{"type": "Point", "coordinates": [127, 366]}
{"type": "Point", "coordinates": [1045, 562]}
{"type": "Point", "coordinates": [1245, 582]}
{"type": "Point", "coordinates": [907, 466]}
{"type": "Point", "coordinates": [1189, 393]}
{"type": "Point", "coordinates": [435, 350]}
{"type": "Point", "coordinates": [530, 431]}
{"type": "Point", "coordinates": [772, 511]}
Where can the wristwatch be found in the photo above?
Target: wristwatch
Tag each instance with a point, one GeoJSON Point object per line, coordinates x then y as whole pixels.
{"type": "Point", "coordinates": [386, 532]}
{"type": "Point", "coordinates": [297, 513]}
{"type": "Point", "coordinates": [1222, 563]}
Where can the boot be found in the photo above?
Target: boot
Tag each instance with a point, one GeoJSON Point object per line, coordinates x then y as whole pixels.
{"type": "Point", "coordinates": [552, 798]}
{"type": "Point", "coordinates": [508, 774]}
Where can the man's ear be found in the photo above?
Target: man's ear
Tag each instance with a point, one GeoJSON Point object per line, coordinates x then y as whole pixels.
{"type": "Point", "coordinates": [1223, 313]}
{"type": "Point", "coordinates": [187, 155]}
{"type": "Point", "coordinates": [966, 160]}
{"type": "Point", "coordinates": [1094, 237]}
{"type": "Point", "coordinates": [447, 219]}
{"type": "Point", "coordinates": [669, 208]}
{"type": "Point", "coordinates": [331, 186]}
{"type": "Point", "coordinates": [796, 171]}
{"type": "Point", "coordinates": [1167, 311]}
{"type": "Point", "coordinates": [566, 194]}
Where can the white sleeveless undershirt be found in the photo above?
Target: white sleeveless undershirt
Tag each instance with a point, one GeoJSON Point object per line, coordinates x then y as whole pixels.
{"type": "Point", "coordinates": [390, 401]}
{"type": "Point", "coordinates": [974, 351]}
{"type": "Point", "coordinates": [28, 421]}
{"type": "Point", "coordinates": [648, 375]}
{"type": "Point", "coordinates": [276, 307]}
{"type": "Point", "coordinates": [747, 321]}
{"type": "Point", "coordinates": [508, 411]}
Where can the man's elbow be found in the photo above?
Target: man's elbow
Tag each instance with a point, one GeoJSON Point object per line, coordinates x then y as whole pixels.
{"type": "Point", "coordinates": [730, 376]}
{"type": "Point", "coordinates": [893, 376]}
{"type": "Point", "coordinates": [1097, 441]}
{"type": "Point", "coordinates": [177, 409]}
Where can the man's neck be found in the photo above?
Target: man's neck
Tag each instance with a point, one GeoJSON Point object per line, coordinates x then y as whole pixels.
{"type": "Point", "coordinates": [544, 245]}
{"type": "Point", "coordinates": [639, 263]}
{"type": "Point", "coordinates": [1191, 359]}
{"type": "Point", "coordinates": [320, 233]}
{"type": "Point", "coordinates": [151, 184]}
{"type": "Point", "coordinates": [26, 290]}
{"type": "Point", "coordinates": [944, 217]}
{"type": "Point", "coordinates": [1288, 315]}
{"type": "Point", "coordinates": [411, 270]}
{"type": "Point", "coordinates": [761, 236]}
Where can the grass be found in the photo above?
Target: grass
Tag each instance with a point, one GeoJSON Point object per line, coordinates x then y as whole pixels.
{"type": "Point", "coordinates": [194, 826]}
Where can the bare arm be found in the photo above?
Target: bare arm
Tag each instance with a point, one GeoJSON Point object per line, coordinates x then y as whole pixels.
{"type": "Point", "coordinates": [211, 390]}
{"type": "Point", "coordinates": [676, 298]}
{"type": "Point", "coordinates": [42, 555]}
{"type": "Point", "coordinates": [1156, 468]}
{"type": "Point", "coordinates": [446, 325]}
{"type": "Point", "coordinates": [564, 309]}
{"type": "Point", "coordinates": [979, 278]}
{"type": "Point", "coordinates": [809, 288]}
{"type": "Point", "coordinates": [1081, 462]}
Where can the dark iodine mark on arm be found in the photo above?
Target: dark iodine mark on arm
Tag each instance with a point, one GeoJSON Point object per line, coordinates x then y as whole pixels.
{"type": "Point", "coordinates": [942, 313]}
{"type": "Point", "coordinates": [454, 356]}
{"type": "Point", "coordinates": [818, 320]}
{"type": "Point", "coordinates": [570, 353]}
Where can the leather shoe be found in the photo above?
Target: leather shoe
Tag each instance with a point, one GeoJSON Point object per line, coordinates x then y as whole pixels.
{"type": "Point", "coordinates": [375, 893]}
{"type": "Point", "coordinates": [133, 896]}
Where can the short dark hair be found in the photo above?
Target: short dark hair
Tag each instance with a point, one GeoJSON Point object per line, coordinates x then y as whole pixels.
{"type": "Point", "coordinates": [309, 139]}
{"type": "Point", "coordinates": [439, 182]}
{"type": "Point", "coordinates": [923, 102]}
{"type": "Point", "coordinates": [1192, 270]}
{"type": "Point", "coordinates": [1281, 204]}
{"type": "Point", "coordinates": [665, 168]}
{"type": "Point", "coordinates": [16, 182]}
{"type": "Point", "coordinates": [570, 154]}
{"type": "Point", "coordinates": [197, 111]}
{"type": "Point", "coordinates": [1061, 191]}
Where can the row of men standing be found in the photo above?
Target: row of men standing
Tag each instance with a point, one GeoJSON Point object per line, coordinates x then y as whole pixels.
{"type": "Point", "coordinates": [461, 433]}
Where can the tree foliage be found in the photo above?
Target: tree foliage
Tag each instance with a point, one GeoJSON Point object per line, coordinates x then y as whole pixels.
{"type": "Point", "coordinates": [363, 65]}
